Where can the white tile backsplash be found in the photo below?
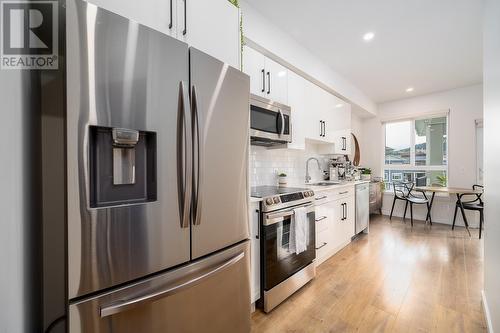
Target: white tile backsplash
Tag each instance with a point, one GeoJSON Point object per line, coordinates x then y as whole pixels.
{"type": "Point", "coordinates": [266, 164]}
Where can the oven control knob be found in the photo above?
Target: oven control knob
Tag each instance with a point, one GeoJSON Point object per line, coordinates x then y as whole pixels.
{"type": "Point", "coordinates": [306, 194]}
{"type": "Point", "coordinates": [276, 200]}
{"type": "Point", "coordinates": [311, 193]}
{"type": "Point", "coordinates": [269, 201]}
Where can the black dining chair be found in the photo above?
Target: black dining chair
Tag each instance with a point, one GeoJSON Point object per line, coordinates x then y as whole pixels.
{"type": "Point", "coordinates": [476, 204]}
{"type": "Point", "coordinates": [403, 191]}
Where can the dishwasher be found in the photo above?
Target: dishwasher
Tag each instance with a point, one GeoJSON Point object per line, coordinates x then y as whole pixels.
{"type": "Point", "coordinates": [362, 207]}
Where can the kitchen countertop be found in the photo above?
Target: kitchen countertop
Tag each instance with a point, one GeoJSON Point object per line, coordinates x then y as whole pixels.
{"type": "Point", "coordinates": [320, 188]}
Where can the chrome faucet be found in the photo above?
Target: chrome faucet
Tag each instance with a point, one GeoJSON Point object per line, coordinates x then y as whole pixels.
{"type": "Point", "coordinates": [308, 177]}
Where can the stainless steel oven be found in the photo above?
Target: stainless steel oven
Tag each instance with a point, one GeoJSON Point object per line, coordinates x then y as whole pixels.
{"type": "Point", "coordinates": [284, 271]}
{"type": "Point", "coordinates": [270, 122]}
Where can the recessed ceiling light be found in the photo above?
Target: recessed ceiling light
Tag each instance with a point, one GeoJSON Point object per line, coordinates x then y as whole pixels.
{"type": "Point", "coordinates": [409, 89]}
{"type": "Point", "coordinates": [368, 36]}
{"type": "Point", "coordinates": [339, 105]}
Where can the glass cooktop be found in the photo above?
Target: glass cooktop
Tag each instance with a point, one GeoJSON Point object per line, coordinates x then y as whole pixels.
{"type": "Point", "coordinates": [269, 190]}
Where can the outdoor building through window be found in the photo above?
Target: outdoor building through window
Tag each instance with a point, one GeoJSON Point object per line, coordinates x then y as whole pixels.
{"type": "Point", "coordinates": [416, 150]}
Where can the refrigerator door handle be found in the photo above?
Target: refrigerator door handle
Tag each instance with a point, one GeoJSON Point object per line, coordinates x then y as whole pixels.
{"type": "Point", "coordinates": [185, 147]}
{"type": "Point", "coordinates": [168, 290]}
{"type": "Point", "coordinates": [197, 158]}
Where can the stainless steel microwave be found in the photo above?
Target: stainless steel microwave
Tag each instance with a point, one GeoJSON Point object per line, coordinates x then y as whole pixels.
{"type": "Point", "coordinates": [270, 122]}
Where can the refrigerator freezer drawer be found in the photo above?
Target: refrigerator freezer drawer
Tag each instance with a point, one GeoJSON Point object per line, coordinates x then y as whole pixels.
{"type": "Point", "coordinates": [210, 295]}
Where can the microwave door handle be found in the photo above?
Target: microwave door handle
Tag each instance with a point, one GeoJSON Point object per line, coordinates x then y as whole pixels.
{"type": "Point", "coordinates": [281, 129]}
{"type": "Point", "coordinates": [197, 160]}
{"type": "Point", "coordinates": [184, 157]}
{"type": "Point", "coordinates": [169, 290]}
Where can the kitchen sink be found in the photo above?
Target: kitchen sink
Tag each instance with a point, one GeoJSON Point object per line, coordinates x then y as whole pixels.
{"type": "Point", "coordinates": [326, 183]}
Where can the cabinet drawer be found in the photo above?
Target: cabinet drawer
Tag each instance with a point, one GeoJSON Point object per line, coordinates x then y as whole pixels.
{"type": "Point", "coordinates": [322, 218]}
{"type": "Point", "coordinates": [322, 197]}
{"type": "Point", "coordinates": [323, 244]}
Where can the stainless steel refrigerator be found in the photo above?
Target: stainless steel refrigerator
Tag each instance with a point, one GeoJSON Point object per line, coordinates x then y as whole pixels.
{"type": "Point", "coordinates": [157, 146]}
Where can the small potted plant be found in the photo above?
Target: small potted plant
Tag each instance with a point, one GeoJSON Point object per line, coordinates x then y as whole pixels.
{"type": "Point", "coordinates": [366, 174]}
{"type": "Point", "coordinates": [282, 179]}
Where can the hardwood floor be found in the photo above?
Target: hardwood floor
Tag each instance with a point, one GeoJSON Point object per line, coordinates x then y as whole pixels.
{"type": "Point", "coordinates": [396, 279]}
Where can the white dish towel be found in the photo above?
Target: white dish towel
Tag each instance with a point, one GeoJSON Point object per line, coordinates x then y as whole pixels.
{"type": "Point", "coordinates": [299, 231]}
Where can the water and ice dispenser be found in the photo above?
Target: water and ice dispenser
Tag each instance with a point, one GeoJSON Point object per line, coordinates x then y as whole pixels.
{"type": "Point", "coordinates": [122, 166]}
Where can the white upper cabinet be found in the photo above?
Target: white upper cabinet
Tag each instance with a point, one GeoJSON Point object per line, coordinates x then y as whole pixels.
{"type": "Point", "coordinates": [210, 26]}
{"type": "Point", "coordinates": [267, 78]}
{"type": "Point", "coordinates": [297, 102]}
{"type": "Point", "coordinates": [254, 64]}
{"type": "Point", "coordinates": [277, 82]}
{"type": "Point", "coordinates": [160, 15]}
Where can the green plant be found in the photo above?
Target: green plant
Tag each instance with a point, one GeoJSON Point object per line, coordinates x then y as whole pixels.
{"type": "Point", "coordinates": [366, 171]}
{"type": "Point", "coordinates": [442, 180]}
{"type": "Point", "coordinates": [282, 174]}
{"type": "Point", "coordinates": [242, 43]}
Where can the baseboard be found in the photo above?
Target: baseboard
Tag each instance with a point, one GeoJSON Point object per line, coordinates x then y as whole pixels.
{"type": "Point", "coordinates": [486, 312]}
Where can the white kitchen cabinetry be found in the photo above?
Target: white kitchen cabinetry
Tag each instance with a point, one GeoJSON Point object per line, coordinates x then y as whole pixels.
{"type": "Point", "coordinates": [335, 211]}
{"type": "Point", "coordinates": [219, 18]}
{"type": "Point", "coordinates": [297, 102]}
{"type": "Point", "coordinates": [254, 218]}
{"type": "Point", "coordinates": [267, 78]}
{"type": "Point", "coordinates": [212, 27]}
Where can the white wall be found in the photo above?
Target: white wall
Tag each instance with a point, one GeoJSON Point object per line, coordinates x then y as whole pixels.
{"type": "Point", "coordinates": [265, 164]}
{"type": "Point", "coordinates": [465, 105]}
{"type": "Point", "coordinates": [491, 63]}
{"type": "Point", "coordinates": [267, 35]}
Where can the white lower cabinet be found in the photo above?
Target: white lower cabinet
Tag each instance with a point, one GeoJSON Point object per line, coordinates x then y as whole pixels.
{"type": "Point", "coordinates": [334, 221]}
{"type": "Point", "coordinates": [254, 218]}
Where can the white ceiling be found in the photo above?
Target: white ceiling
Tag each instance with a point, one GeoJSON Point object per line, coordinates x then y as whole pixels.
{"type": "Point", "coordinates": [431, 45]}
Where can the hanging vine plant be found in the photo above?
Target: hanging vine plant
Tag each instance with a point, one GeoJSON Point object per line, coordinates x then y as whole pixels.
{"type": "Point", "coordinates": [236, 3]}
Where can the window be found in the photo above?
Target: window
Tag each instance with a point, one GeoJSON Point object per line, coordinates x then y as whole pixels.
{"type": "Point", "coordinates": [416, 150]}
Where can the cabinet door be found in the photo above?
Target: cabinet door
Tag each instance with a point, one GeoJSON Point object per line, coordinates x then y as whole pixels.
{"type": "Point", "coordinates": [328, 115]}
{"type": "Point", "coordinates": [276, 81]}
{"type": "Point", "coordinates": [314, 116]}
{"type": "Point", "coordinates": [297, 101]}
{"type": "Point", "coordinates": [210, 26]}
{"type": "Point", "coordinates": [342, 141]}
{"type": "Point", "coordinates": [157, 14]}
{"type": "Point", "coordinates": [254, 218]}
{"type": "Point", "coordinates": [254, 66]}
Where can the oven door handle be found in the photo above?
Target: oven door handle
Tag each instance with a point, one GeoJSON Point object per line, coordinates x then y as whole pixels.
{"type": "Point", "coordinates": [273, 218]}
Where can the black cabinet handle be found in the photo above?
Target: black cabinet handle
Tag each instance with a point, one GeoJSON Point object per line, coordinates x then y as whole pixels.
{"type": "Point", "coordinates": [321, 246]}
{"type": "Point", "coordinates": [324, 128]}
{"type": "Point", "coordinates": [320, 198]}
{"type": "Point", "coordinates": [321, 128]}
{"type": "Point", "coordinates": [170, 24]}
{"type": "Point", "coordinates": [344, 143]}
{"type": "Point", "coordinates": [343, 212]}
{"type": "Point", "coordinates": [263, 80]}
{"type": "Point", "coordinates": [268, 83]}
{"type": "Point", "coordinates": [258, 226]}
{"type": "Point", "coordinates": [345, 215]}
{"type": "Point", "coordinates": [184, 32]}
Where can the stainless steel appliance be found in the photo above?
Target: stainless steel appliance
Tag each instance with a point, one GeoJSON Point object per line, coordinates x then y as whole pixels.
{"type": "Point", "coordinates": [376, 186]}
{"type": "Point", "coordinates": [283, 271]}
{"type": "Point", "coordinates": [156, 241]}
{"type": "Point", "coordinates": [362, 207]}
{"type": "Point", "coordinates": [270, 122]}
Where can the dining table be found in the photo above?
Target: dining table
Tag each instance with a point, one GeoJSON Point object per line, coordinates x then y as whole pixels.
{"type": "Point", "coordinates": [450, 191]}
